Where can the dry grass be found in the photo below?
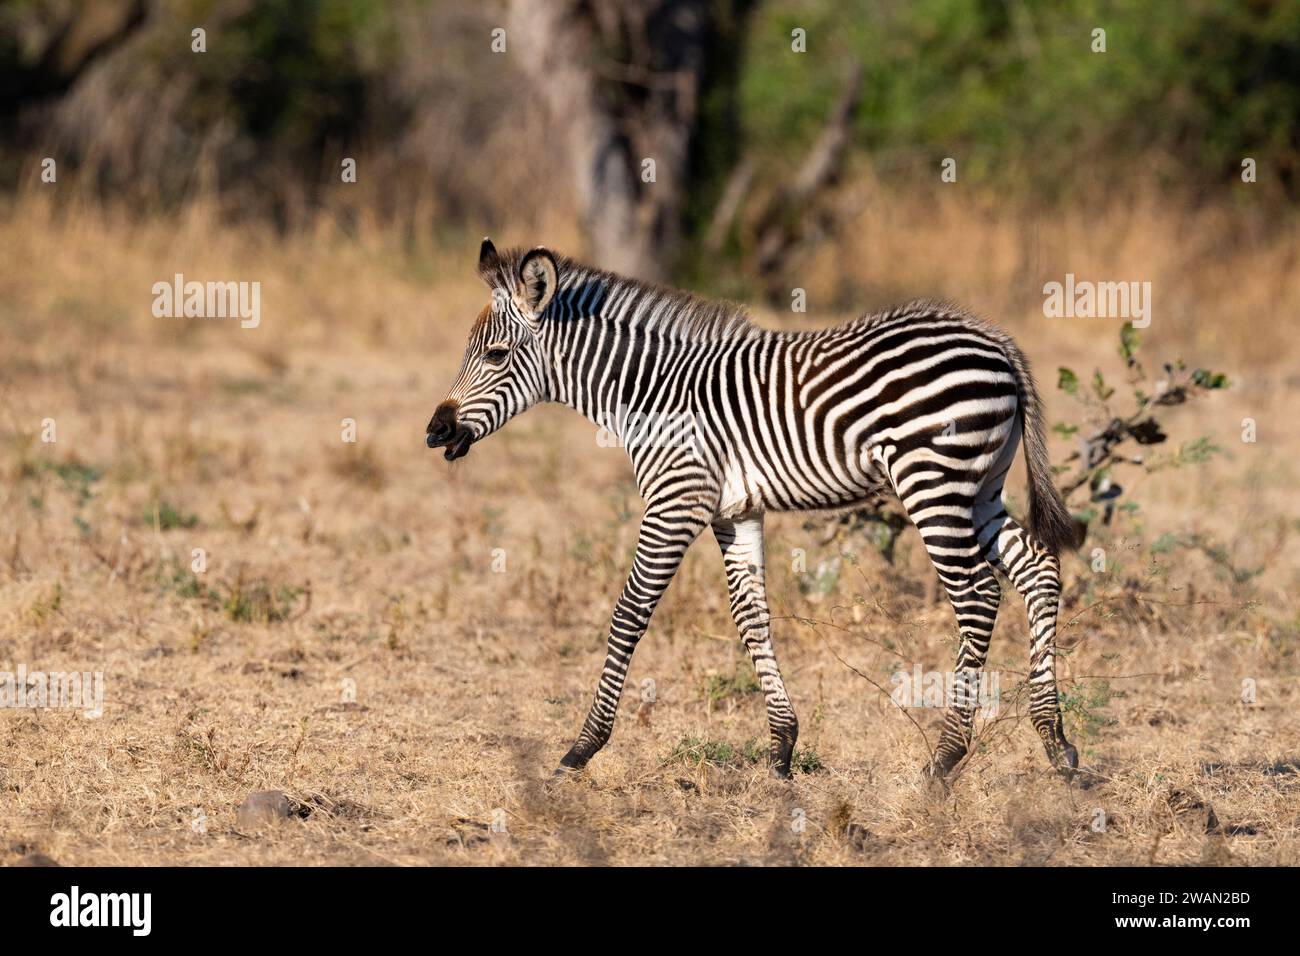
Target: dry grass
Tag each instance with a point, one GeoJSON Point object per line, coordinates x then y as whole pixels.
{"type": "Point", "coordinates": [372, 564]}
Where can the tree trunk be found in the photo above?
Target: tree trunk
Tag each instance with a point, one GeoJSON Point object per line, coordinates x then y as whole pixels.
{"type": "Point", "coordinates": [622, 82]}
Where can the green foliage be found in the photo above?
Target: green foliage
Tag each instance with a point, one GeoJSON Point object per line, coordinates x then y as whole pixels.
{"type": "Point", "coordinates": [173, 576]}
{"type": "Point", "coordinates": [1100, 388]}
{"type": "Point", "coordinates": [1207, 379]}
{"type": "Point", "coordinates": [1015, 91]}
{"type": "Point", "coordinates": [1064, 430]}
{"type": "Point", "coordinates": [1194, 452]}
{"type": "Point", "coordinates": [1129, 341]}
{"type": "Point", "coordinates": [167, 517]}
{"type": "Point", "coordinates": [1106, 433]}
{"type": "Point", "coordinates": [295, 70]}
{"type": "Point", "coordinates": [259, 602]}
{"type": "Point", "coordinates": [702, 750]}
{"type": "Point", "coordinates": [282, 84]}
{"type": "Point", "coordinates": [1083, 705]}
{"type": "Point", "coordinates": [806, 760]}
{"type": "Point", "coordinates": [77, 477]}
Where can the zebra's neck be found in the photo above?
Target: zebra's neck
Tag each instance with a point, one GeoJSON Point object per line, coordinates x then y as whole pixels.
{"type": "Point", "coordinates": [620, 348]}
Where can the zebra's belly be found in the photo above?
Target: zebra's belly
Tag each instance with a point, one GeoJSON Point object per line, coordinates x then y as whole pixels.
{"type": "Point", "coordinates": [754, 488]}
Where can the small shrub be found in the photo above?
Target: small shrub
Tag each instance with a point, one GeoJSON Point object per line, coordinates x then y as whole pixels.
{"type": "Point", "coordinates": [806, 760]}
{"type": "Point", "coordinates": [175, 577]}
{"type": "Point", "coordinates": [256, 601]}
{"type": "Point", "coordinates": [259, 602]}
{"type": "Point", "coordinates": [1106, 437]}
{"type": "Point", "coordinates": [701, 750]}
{"type": "Point", "coordinates": [1083, 706]}
{"type": "Point", "coordinates": [166, 517]}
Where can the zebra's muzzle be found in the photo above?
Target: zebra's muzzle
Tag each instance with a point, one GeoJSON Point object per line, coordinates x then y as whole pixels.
{"type": "Point", "coordinates": [445, 432]}
{"type": "Point", "coordinates": [458, 447]}
{"type": "Point", "coordinates": [456, 442]}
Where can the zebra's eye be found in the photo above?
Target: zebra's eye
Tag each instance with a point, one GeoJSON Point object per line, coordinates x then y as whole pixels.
{"type": "Point", "coordinates": [496, 355]}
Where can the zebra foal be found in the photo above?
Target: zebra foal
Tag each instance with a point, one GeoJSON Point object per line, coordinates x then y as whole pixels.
{"type": "Point", "coordinates": [924, 404]}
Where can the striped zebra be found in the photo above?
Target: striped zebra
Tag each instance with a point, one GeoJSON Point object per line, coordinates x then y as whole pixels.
{"type": "Point", "coordinates": [923, 404]}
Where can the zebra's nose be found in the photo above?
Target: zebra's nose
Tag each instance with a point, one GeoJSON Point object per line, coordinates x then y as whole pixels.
{"type": "Point", "coordinates": [442, 426]}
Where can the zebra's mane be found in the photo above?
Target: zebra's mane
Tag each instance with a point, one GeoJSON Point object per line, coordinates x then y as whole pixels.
{"type": "Point", "coordinates": [672, 313]}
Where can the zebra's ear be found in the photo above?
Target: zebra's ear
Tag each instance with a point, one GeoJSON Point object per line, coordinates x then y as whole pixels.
{"type": "Point", "coordinates": [487, 258]}
{"type": "Point", "coordinates": [538, 278]}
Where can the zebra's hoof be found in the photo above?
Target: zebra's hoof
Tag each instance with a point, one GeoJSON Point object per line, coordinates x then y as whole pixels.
{"type": "Point", "coordinates": [573, 761]}
{"type": "Point", "coordinates": [779, 773]}
{"type": "Point", "coordinates": [1067, 762]}
{"type": "Point", "coordinates": [935, 776]}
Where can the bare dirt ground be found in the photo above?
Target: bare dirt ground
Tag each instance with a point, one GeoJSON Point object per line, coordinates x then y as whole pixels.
{"type": "Point", "coordinates": [351, 643]}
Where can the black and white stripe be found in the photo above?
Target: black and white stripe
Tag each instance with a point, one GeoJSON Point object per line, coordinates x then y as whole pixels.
{"type": "Point", "coordinates": [924, 403]}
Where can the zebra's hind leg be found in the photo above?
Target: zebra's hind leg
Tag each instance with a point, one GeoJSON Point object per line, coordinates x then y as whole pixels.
{"type": "Point", "coordinates": [1036, 574]}
{"type": "Point", "coordinates": [974, 593]}
{"type": "Point", "coordinates": [742, 556]}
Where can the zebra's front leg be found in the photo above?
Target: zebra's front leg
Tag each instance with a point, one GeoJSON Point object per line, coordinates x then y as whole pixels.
{"type": "Point", "coordinates": [742, 556]}
{"type": "Point", "coordinates": [666, 533]}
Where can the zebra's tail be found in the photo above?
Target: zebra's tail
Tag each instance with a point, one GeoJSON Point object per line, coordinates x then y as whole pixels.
{"type": "Point", "coordinates": [1049, 519]}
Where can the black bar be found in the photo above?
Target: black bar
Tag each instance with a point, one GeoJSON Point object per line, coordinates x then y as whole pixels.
{"type": "Point", "coordinates": [297, 905]}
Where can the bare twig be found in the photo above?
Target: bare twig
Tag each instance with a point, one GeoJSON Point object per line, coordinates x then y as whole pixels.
{"type": "Point", "coordinates": [733, 196]}
{"type": "Point", "coordinates": [784, 223]}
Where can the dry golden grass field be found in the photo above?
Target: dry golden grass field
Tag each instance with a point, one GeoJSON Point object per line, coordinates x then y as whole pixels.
{"type": "Point", "coordinates": [335, 567]}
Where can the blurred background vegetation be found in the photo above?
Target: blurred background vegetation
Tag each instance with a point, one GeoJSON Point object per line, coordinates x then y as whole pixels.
{"type": "Point", "coordinates": [753, 141]}
{"type": "Point", "coordinates": [1014, 88]}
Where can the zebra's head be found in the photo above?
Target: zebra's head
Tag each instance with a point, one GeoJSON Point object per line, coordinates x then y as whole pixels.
{"type": "Point", "coordinates": [503, 371]}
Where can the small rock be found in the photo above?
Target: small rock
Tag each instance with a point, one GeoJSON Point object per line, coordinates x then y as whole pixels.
{"type": "Point", "coordinates": [263, 807]}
